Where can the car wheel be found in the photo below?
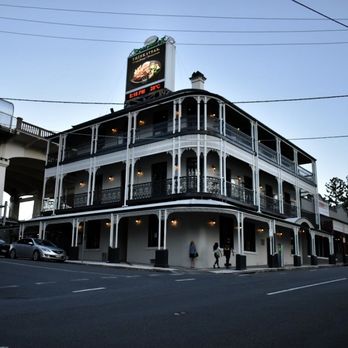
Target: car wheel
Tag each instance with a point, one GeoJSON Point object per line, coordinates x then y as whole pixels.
{"type": "Point", "coordinates": [36, 256]}
{"type": "Point", "coordinates": [13, 254]}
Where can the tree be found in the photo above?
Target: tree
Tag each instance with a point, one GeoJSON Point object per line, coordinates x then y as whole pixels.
{"type": "Point", "coordinates": [337, 190]}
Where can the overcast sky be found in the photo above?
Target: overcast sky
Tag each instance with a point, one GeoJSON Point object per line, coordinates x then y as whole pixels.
{"type": "Point", "coordinates": [238, 66]}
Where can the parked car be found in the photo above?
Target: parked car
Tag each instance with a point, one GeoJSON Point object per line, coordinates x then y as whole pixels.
{"type": "Point", "coordinates": [36, 249]}
{"type": "Point", "coordinates": [4, 248]}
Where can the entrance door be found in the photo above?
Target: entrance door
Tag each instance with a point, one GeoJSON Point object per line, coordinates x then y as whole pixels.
{"type": "Point", "coordinates": [159, 179]}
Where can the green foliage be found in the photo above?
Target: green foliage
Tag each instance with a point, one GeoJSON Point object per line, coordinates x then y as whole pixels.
{"type": "Point", "coordinates": [337, 192]}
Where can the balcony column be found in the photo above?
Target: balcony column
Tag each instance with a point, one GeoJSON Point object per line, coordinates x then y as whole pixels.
{"type": "Point", "coordinates": [240, 257]}
{"type": "Point", "coordinates": [280, 195]}
{"type": "Point", "coordinates": [257, 191]}
{"type": "Point", "coordinates": [174, 116]}
{"type": "Point", "coordinates": [113, 252]}
{"type": "Point", "coordinates": [179, 114]}
{"type": "Point", "coordinates": [298, 201]}
{"type": "Point", "coordinates": [297, 255]}
{"type": "Point", "coordinates": [224, 182]}
{"type": "Point", "coordinates": [132, 119]}
{"type": "Point", "coordinates": [62, 146]}
{"type": "Point", "coordinates": [161, 254]}
{"type": "Point", "coordinates": [204, 164]}
{"type": "Point", "coordinates": [92, 149]}
{"type": "Point", "coordinates": [173, 167]}
{"type": "Point", "coordinates": [198, 165]}
{"type": "Point", "coordinates": [178, 189]}
{"type": "Point", "coordinates": [198, 113]}
{"type": "Point", "coordinates": [89, 187]}
{"type": "Point", "coordinates": [132, 173]}
{"type": "Point", "coordinates": [205, 114]}
{"type": "Point", "coordinates": [74, 249]}
{"type": "Point", "coordinates": [279, 151]}
{"type": "Point", "coordinates": [93, 172]}
{"type": "Point", "coordinates": [60, 190]}
{"type": "Point", "coordinates": [94, 142]}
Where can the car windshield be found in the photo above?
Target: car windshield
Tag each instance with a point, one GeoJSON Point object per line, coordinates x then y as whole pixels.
{"type": "Point", "coordinates": [42, 242]}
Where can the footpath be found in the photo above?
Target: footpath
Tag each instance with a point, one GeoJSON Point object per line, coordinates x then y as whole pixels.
{"type": "Point", "coordinates": [221, 270]}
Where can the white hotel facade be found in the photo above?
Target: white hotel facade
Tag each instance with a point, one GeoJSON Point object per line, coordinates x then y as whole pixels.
{"type": "Point", "coordinates": [137, 185]}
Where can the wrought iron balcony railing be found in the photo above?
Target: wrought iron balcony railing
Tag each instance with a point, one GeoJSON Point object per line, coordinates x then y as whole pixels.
{"type": "Point", "coordinates": [240, 193]}
{"type": "Point", "coordinates": [237, 137]}
{"type": "Point", "coordinates": [269, 204]}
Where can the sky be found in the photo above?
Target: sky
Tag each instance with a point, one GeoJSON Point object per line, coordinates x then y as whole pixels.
{"type": "Point", "coordinates": [262, 62]}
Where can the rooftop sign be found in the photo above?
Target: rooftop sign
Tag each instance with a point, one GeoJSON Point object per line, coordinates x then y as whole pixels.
{"type": "Point", "coordinates": [150, 69]}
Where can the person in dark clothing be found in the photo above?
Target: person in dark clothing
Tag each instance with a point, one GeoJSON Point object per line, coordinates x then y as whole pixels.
{"type": "Point", "coordinates": [227, 252]}
{"type": "Point", "coordinates": [193, 253]}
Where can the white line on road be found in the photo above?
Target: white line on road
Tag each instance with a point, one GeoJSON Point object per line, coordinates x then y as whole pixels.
{"type": "Point", "coordinates": [85, 290]}
{"type": "Point", "coordinates": [109, 277]}
{"type": "Point", "coordinates": [306, 286]}
{"type": "Point", "coordinates": [79, 280]}
{"type": "Point", "coordinates": [132, 276]}
{"type": "Point", "coordinates": [44, 283]}
{"type": "Point", "coordinates": [185, 280]}
{"type": "Point", "coordinates": [8, 286]}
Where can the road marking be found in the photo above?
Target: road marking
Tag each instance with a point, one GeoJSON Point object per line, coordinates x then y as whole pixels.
{"type": "Point", "coordinates": [85, 290]}
{"type": "Point", "coordinates": [185, 280]}
{"type": "Point", "coordinates": [44, 283]}
{"type": "Point", "coordinates": [8, 286]}
{"type": "Point", "coordinates": [132, 276]}
{"type": "Point", "coordinates": [110, 277]}
{"type": "Point", "coordinates": [79, 280]}
{"type": "Point", "coordinates": [306, 286]}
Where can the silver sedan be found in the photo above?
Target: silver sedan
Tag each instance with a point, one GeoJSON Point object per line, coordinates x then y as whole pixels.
{"type": "Point", "coordinates": [36, 249]}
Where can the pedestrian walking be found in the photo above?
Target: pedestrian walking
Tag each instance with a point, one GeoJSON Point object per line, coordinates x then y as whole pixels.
{"type": "Point", "coordinates": [193, 253]}
{"type": "Point", "coordinates": [227, 252]}
{"type": "Point", "coordinates": [217, 254]}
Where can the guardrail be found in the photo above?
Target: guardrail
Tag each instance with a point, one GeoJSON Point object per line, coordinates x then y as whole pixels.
{"type": "Point", "coordinates": [14, 124]}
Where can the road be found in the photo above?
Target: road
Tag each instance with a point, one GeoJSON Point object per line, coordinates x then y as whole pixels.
{"type": "Point", "coordinates": [67, 305]}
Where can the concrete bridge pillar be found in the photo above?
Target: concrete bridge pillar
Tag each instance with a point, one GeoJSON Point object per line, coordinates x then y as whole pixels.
{"type": "Point", "coordinates": [14, 207]}
{"type": "Point", "coordinates": [3, 165]}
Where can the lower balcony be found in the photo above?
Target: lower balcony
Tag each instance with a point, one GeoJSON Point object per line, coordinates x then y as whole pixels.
{"type": "Point", "coordinates": [269, 204]}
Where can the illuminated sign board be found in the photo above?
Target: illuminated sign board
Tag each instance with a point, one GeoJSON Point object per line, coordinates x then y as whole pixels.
{"type": "Point", "coordinates": [150, 69]}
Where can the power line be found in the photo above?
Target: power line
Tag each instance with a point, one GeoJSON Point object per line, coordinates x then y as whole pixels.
{"type": "Point", "coordinates": [171, 30]}
{"type": "Point", "coordinates": [178, 43]}
{"type": "Point", "coordinates": [321, 14]}
{"type": "Point", "coordinates": [320, 138]}
{"type": "Point", "coordinates": [164, 14]}
{"type": "Point", "coordinates": [234, 102]}
{"type": "Point", "coordinates": [62, 101]}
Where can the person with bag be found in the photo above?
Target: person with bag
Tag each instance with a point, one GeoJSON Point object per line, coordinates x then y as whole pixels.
{"type": "Point", "coordinates": [217, 254]}
{"type": "Point", "coordinates": [193, 253]}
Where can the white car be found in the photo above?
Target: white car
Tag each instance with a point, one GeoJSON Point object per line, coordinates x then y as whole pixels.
{"type": "Point", "coordinates": [36, 249]}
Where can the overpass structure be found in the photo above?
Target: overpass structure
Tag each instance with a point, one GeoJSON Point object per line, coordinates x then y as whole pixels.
{"type": "Point", "coordinates": [23, 149]}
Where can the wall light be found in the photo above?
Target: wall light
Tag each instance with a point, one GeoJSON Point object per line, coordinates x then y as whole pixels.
{"type": "Point", "coordinates": [82, 183]}
{"type": "Point", "coordinates": [213, 167]}
{"type": "Point", "coordinates": [140, 172]}
{"type": "Point", "coordinates": [138, 221]}
{"type": "Point", "coordinates": [212, 222]}
{"type": "Point", "coordinates": [108, 224]}
{"type": "Point", "coordinates": [141, 123]}
{"type": "Point", "coordinates": [111, 178]}
{"type": "Point", "coordinates": [260, 229]}
{"type": "Point", "coordinates": [114, 130]}
{"type": "Point", "coordinates": [174, 222]}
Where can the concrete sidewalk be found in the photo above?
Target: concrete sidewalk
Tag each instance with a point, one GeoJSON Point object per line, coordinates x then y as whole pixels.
{"type": "Point", "coordinates": [250, 270]}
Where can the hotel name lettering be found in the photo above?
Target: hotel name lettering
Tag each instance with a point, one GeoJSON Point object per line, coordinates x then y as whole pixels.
{"type": "Point", "coordinates": [147, 54]}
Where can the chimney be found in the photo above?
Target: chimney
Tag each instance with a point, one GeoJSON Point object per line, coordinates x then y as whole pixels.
{"type": "Point", "coordinates": [197, 80]}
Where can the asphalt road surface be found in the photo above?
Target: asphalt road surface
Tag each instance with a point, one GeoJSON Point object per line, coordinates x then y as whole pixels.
{"type": "Point", "coordinates": [67, 305]}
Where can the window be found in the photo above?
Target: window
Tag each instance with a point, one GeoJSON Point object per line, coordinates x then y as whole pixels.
{"type": "Point", "coordinates": [249, 236]}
